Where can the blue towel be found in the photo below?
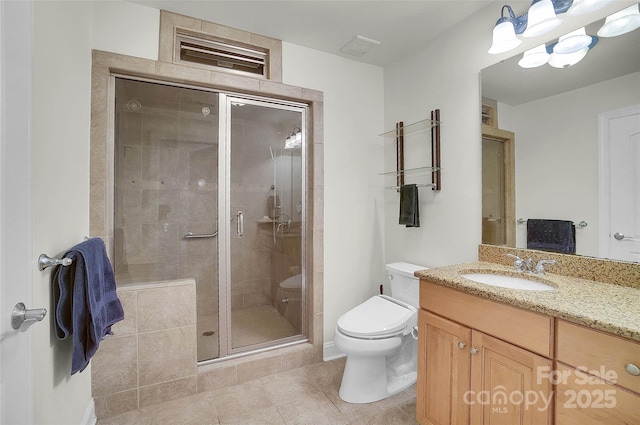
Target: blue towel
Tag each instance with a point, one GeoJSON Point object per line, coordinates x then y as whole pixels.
{"type": "Point", "coordinates": [85, 300]}
{"type": "Point", "coordinates": [551, 235]}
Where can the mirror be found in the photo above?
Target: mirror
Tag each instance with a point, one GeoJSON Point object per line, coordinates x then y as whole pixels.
{"type": "Point", "coordinates": [554, 116]}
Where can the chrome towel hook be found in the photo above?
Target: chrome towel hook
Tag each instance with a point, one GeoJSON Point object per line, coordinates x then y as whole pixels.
{"type": "Point", "coordinates": [45, 261]}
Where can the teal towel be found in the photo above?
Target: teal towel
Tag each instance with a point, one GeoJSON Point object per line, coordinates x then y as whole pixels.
{"type": "Point", "coordinates": [409, 211]}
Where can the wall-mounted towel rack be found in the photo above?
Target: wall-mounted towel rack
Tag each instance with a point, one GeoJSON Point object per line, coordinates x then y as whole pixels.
{"type": "Point", "coordinates": [582, 224]}
{"type": "Point", "coordinates": [45, 261]}
{"type": "Point", "coordinates": [399, 134]}
{"type": "Point", "coordinates": [418, 185]}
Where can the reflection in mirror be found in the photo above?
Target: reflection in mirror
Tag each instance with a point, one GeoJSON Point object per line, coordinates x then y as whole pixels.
{"type": "Point", "coordinates": [577, 137]}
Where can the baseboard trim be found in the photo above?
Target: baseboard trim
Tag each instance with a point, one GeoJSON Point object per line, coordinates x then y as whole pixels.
{"type": "Point", "coordinates": [331, 352]}
{"type": "Point", "coordinates": [89, 417]}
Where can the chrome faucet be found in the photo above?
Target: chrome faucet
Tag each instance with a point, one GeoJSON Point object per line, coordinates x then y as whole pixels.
{"type": "Point", "coordinates": [520, 264]}
{"type": "Point", "coordinates": [540, 266]}
{"type": "Point", "coordinates": [527, 265]}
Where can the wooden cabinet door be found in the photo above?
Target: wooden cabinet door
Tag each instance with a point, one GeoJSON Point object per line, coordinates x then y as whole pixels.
{"type": "Point", "coordinates": [509, 385]}
{"type": "Point", "coordinates": [443, 371]}
{"type": "Point", "coordinates": [586, 400]}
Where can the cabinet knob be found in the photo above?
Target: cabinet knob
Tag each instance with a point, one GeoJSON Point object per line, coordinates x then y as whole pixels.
{"type": "Point", "coordinates": [461, 345]}
{"type": "Point", "coordinates": [473, 350]}
{"type": "Point", "coordinates": [632, 369]}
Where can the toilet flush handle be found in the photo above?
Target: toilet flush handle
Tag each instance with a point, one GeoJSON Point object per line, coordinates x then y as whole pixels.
{"type": "Point", "coordinates": [414, 332]}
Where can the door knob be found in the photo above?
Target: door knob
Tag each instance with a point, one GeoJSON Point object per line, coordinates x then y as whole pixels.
{"type": "Point", "coordinates": [22, 318]}
{"type": "Point", "coordinates": [473, 350]}
{"type": "Point", "coordinates": [461, 345]}
{"type": "Point", "coordinates": [620, 236]}
{"type": "Point", "coordinates": [632, 369]}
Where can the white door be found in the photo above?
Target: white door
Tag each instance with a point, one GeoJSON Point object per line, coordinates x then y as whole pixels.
{"type": "Point", "coordinates": [620, 184]}
{"type": "Point", "coordinates": [16, 264]}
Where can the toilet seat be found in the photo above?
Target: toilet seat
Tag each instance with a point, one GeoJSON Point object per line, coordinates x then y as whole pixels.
{"type": "Point", "coordinates": [378, 317]}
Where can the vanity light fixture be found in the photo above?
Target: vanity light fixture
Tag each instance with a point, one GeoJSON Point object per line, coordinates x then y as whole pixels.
{"type": "Point", "coordinates": [582, 7]}
{"type": "Point", "coordinates": [504, 33]}
{"type": "Point", "coordinates": [565, 60]}
{"type": "Point", "coordinates": [294, 140]}
{"type": "Point", "coordinates": [621, 22]}
{"type": "Point", "coordinates": [540, 55]}
{"type": "Point", "coordinates": [573, 42]}
{"type": "Point", "coordinates": [541, 19]}
{"type": "Point", "coordinates": [535, 57]}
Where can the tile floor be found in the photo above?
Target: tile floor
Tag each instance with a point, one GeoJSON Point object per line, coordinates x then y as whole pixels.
{"type": "Point", "coordinates": [307, 395]}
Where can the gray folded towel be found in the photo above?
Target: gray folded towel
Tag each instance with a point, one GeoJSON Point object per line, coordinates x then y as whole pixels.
{"type": "Point", "coordinates": [409, 211]}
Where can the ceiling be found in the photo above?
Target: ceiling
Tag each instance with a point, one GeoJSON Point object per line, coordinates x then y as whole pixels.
{"type": "Point", "coordinates": [401, 26]}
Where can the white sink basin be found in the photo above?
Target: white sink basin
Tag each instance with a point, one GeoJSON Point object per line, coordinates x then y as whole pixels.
{"type": "Point", "coordinates": [510, 282]}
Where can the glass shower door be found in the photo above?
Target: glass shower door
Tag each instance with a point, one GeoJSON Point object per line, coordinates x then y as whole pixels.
{"type": "Point", "coordinates": [166, 188]}
{"type": "Point", "coordinates": [265, 207]}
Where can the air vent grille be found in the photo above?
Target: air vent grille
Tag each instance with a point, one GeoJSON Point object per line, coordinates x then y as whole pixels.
{"type": "Point", "coordinates": [222, 55]}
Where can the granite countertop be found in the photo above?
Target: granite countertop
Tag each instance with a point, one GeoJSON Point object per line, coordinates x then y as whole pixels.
{"type": "Point", "coordinates": [602, 306]}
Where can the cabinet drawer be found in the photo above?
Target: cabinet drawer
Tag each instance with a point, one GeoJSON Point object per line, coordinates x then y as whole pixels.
{"type": "Point", "coordinates": [599, 352]}
{"type": "Point", "coordinates": [523, 328]}
{"type": "Point", "coordinates": [584, 400]}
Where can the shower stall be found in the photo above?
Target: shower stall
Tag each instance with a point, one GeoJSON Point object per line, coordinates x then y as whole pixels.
{"type": "Point", "coordinates": [210, 185]}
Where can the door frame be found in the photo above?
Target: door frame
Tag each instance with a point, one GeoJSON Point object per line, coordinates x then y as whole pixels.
{"type": "Point", "coordinates": [508, 139]}
{"type": "Point", "coordinates": [604, 180]}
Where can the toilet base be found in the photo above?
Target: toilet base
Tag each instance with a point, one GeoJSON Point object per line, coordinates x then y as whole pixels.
{"type": "Point", "coordinates": [364, 379]}
{"type": "Point", "coordinates": [372, 376]}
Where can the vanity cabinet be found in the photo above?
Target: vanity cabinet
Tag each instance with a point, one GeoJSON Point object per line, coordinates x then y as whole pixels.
{"type": "Point", "coordinates": [479, 361]}
{"type": "Point", "coordinates": [597, 377]}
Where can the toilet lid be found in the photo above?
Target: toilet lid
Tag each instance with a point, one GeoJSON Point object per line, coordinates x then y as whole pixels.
{"type": "Point", "coordinates": [378, 316]}
{"type": "Point", "coordinates": [294, 282]}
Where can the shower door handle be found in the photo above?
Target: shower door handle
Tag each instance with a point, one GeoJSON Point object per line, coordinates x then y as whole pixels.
{"type": "Point", "coordinates": [240, 225]}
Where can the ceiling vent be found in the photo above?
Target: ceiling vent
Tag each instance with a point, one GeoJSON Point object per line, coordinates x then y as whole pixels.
{"type": "Point", "coordinates": [359, 46]}
{"type": "Point", "coordinates": [221, 55]}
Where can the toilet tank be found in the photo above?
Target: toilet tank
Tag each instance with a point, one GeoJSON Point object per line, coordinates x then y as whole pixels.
{"type": "Point", "coordinates": [405, 286]}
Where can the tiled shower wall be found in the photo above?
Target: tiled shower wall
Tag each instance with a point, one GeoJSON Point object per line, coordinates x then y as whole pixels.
{"type": "Point", "coordinates": [166, 184]}
{"type": "Point", "coordinates": [151, 357]}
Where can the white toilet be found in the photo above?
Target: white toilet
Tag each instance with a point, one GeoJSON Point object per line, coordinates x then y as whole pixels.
{"type": "Point", "coordinates": [379, 338]}
{"type": "Point", "coordinates": [289, 298]}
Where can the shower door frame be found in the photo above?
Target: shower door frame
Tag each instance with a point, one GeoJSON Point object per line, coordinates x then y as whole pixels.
{"type": "Point", "coordinates": [225, 101]}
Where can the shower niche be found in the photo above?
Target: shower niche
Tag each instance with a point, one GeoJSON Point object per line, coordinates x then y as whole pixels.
{"type": "Point", "coordinates": [210, 185]}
